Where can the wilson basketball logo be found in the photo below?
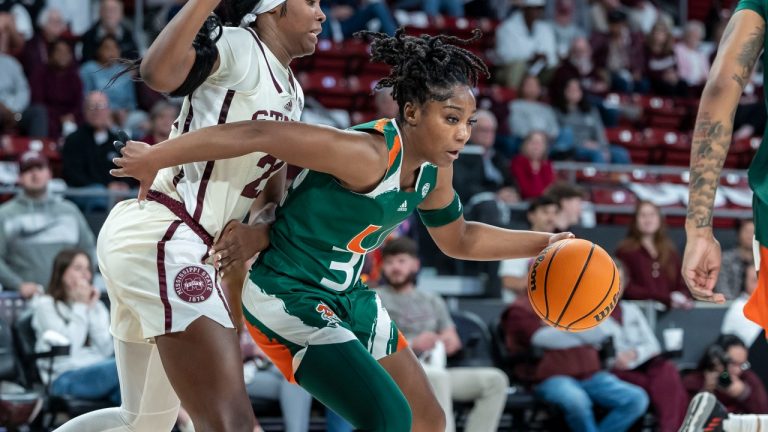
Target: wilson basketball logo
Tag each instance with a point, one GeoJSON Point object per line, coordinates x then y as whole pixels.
{"type": "Point", "coordinates": [327, 313]}
{"type": "Point", "coordinates": [193, 285]}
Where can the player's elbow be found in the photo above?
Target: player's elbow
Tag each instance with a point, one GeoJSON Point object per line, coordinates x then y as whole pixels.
{"type": "Point", "coordinates": [719, 85]}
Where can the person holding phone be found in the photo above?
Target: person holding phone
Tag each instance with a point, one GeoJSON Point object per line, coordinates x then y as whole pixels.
{"type": "Point", "coordinates": [725, 372]}
{"type": "Point", "coordinates": [71, 308]}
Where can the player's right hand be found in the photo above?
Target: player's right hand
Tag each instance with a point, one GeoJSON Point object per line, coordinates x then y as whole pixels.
{"type": "Point", "coordinates": [137, 162]}
{"type": "Point", "coordinates": [701, 266]}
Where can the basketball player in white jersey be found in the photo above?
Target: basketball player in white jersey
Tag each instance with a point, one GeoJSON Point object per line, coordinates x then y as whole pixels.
{"type": "Point", "coordinates": [174, 333]}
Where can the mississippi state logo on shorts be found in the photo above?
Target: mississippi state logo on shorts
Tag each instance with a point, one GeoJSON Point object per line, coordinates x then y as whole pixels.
{"type": "Point", "coordinates": [193, 285]}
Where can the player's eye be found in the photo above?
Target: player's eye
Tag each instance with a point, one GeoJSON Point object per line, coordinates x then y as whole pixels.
{"type": "Point", "coordinates": [472, 122]}
{"type": "Point", "coordinates": [452, 119]}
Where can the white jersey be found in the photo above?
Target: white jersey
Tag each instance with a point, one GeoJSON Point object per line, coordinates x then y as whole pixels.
{"type": "Point", "coordinates": [249, 84]}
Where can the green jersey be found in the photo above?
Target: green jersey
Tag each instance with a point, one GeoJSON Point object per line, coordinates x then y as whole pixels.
{"type": "Point", "coordinates": [323, 231]}
{"type": "Point", "coordinates": [758, 170]}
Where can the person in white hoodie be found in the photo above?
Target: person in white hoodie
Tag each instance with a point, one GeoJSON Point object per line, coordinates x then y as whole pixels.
{"type": "Point", "coordinates": [71, 308]}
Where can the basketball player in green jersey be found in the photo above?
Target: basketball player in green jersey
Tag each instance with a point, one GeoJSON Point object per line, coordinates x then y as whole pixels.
{"type": "Point", "coordinates": [304, 302]}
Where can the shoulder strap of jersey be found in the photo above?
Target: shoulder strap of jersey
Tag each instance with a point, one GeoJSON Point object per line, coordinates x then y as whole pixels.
{"type": "Point", "coordinates": [385, 127]}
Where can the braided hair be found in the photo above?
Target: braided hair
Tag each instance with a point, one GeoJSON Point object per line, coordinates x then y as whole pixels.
{"type": "Point", "coordinates": [424, 67]}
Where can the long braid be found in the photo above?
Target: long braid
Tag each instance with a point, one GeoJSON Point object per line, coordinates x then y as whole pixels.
{"type": "Point", "coordinates": [424, 67]}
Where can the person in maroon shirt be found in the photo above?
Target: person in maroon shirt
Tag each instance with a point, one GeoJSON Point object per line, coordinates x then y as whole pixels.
{"type": "Point", "coordinates": [652, 260]}
{"type": "Point", "coordinates": [661, 63]}
{"type": "Point", "coordinates": [58, 87]}
{"type": "Point", "coordinates": [724, 371]}
{"type": "Point", "coordinates": [531, 168]}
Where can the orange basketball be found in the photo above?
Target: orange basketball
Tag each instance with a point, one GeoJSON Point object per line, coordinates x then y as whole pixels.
{"type": "Point", "coordinates": [573, 285]}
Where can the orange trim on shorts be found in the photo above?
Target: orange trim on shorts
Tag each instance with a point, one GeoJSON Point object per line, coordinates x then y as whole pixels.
{"type": "Point", "coordinates": [279, 354]}
{"type": "Point", "coordinates": [756, 308]}
{"type": "Point", "coordinates": [402, 342]}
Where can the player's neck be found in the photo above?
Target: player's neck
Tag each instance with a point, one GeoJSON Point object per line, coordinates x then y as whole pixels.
{"type": "Point", "coordinates": [412, 161]}
{"type": "Point", "coordinates": [275, 43]}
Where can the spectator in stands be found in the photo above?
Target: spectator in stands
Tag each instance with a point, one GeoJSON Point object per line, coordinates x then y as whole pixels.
{"type": "Point", "coordinates": [34, 227]}
{"type": "Point", "coordinates": [51, 27]}
{"type": "Point", "coordinates": [578, 64]}
{"type": "Point", "coordinates": [451, 8]}
{"type": "Point", "coordinates": [620, 52]}
{"type": "Point", "coordinates": [734, 321]}
{"type": "Point", "coordinates": [731, 280]}
{"type": "Point", "coordinates": [568, 373]}
{"type": "Point", "coordinates": [490, 171]}
{"type": "Point", "coordinates": [263, 380]}
{"type": "Point", "coordinates": [652, 260]}
{"type": "Point", "coordinates": [570, 198]}
{"type": "Point", "coordinates": [528, 113]}
{"type": "Point", "coordinates": [534, 49]}
{"type": "Point", "coordinates": [661, 62]}
{"type": "Point", "coordinates": [424, 320]}
{"type": "Point", "coordinates": [161, 122]}
{"type": "Point", "coordinates": [531, 169]}
{"type": "Point", "coordinates": [99, 75]}
{"type": "Point", "coordinates": [692, 62]}
{"type": "Point", "coordinates": [88, 152]}
{"type": "Point", "coordinates": [565, 27]}
{"type": "Point", "coordinates": [110, 23]}
{"type": "Point", "coordinates": [72, 309]}
{"type": "Point", "coordinates": [598, 14]}
{"type": "Point", "coordinates": [11, 35]}
{"type": "Point", "coordinates": [542, 216]}
{"type": "Point", "coordinates": [345, 17]}
{"type": "Point", "coordinates": [725, 371]}
{"type": "Point", "coordinates": [57, 87]}
{"type": "Point", "coordinates": [78, 14]}
{"type": "Point", "coordinates": [585, 127]}
{"type": "Point", "coordinates": [638, 361]}
{"type": "Point", "coordinates": [16, 114]}
{"type": "Point", "coordinates": [642, 15]}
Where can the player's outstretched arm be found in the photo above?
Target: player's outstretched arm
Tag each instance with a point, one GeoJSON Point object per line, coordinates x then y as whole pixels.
{"type": "Point", "coordinates": [170, 58]}
{"type": "Point", "coordinates": [478, 241]}
{"type": "Point", "coordinates": [357, 159]}
{"type": "Point", "coordinates": [739, 49]}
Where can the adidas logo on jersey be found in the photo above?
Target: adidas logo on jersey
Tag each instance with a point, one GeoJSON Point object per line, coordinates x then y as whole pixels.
{"type": "Point", "coordinates": [288, 106]}
{"type": "Point", "coordinates": [403, 207]}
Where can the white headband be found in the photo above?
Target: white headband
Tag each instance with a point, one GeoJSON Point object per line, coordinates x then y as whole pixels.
{"type": "Point", "coordinates": [263, 6]}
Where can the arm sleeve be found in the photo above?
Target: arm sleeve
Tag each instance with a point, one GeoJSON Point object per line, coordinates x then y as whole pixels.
{"type": "Point", "coordinates": [234, 57]}
{"type": "Point", "coordinates": [758, 6]}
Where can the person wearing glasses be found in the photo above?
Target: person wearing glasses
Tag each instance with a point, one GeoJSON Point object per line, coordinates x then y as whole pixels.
{"type": "Point", "coordinates": [725, 372]}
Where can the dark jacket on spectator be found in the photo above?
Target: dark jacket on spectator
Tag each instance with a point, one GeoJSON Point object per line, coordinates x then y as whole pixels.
{"type": "Point", "coordinates": [470, 178]}
{"type": "Point", "coordinates": [125, 41]}
{"type": "Point", "coordinates": [61, 91]}
{"type": "Point", "coordinates": [84, 161]}
{"type": "Point", "coordinates": [636, 51]}
{"type": "Point", "coordinates": [754, 401]}
{"type": "Point", "coordinates": [520, 324]}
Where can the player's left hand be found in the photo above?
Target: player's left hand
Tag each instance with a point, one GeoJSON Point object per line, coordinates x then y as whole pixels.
{"type": "Point", "coordinates": [238, 243]}
{"type": "Point", "coordinates": [137, 162]}
{"type": "Point", "coordinates": [560, 236]}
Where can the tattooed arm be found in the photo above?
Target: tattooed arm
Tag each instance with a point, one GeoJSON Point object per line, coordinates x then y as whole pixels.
{"type": "Point", "coordinates": [739, 48]}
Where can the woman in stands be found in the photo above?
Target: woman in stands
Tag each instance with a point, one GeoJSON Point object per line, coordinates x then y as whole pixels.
{"type": "Point", "coordinates": [305, 303]}
{"type": "Point", "coordinates": [174, 328]}
{"type": "Point", "coordinates": [71, 308]}
{"type": "Point", "coordinates": [651, 260]}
